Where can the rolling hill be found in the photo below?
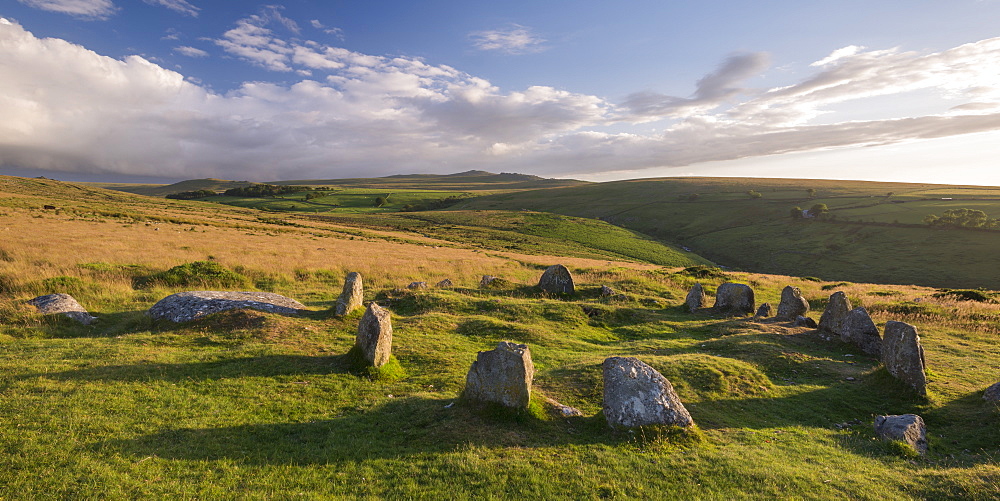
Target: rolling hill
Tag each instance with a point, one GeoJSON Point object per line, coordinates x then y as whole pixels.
{"type": "Point", "coordinates": [872, 233]}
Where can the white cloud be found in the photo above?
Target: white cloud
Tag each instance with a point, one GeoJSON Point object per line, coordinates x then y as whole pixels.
{"type": "Point", "coordinates": [180, 6]}
{"type": "Point", "coordinates": [69, 109]}
{"type": "Point", "coordinates": [337, 32]}
{"type": "Point", "coordinates": [84, 9]}
{"type": "Point", "coordinates": [190, 51]}
{"type": "Point", "coordinates": [514, 39]}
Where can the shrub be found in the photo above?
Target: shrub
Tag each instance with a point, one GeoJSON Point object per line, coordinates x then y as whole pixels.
{"type": "Point", "coordinates": [965, 295]}
{"type": "Point", "coordinates": [702, 272]}
{"type": "Point", "coordinates": [198, 273]}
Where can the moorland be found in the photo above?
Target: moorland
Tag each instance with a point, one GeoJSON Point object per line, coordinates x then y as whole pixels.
{"type": "Point", "coordinates": [247, 404]}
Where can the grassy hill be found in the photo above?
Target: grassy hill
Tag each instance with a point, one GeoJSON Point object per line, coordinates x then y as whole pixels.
{"type": "Point", "coordinates": [474, 181]}
{"type": "Point", "coordinates": [868, 235]}
{"type": "Point", "coordinates": [257, 405]}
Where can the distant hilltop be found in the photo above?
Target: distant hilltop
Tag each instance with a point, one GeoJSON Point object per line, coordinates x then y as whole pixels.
{"type": "Point", "coordinates": [472, 180]}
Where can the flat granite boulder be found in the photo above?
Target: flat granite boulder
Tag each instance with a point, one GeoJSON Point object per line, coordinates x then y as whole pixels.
{"type": "Point", "coordinates": [54, 304]}
{"type": "Point", "coordinates": [557, 280]}
{"type": "Point", "coordinates": [502, 375]}
{"type": "Point", "coordinates": [909, 428]}
{"type": "Point", "coordinates": [636, 394]}
{"type": "Point", "coordinates": [187, 306]}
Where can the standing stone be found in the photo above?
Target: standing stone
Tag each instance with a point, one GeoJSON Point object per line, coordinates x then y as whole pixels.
{"type": "Point", "coordinates": [53, 304]}
{"type": "Point", "coordinates": [903, 356]}
{"type": "Point", "coordinates": [734, 300]}
{"type": "Point", "coordinates": [764, 311]}
{"type": "Point", "coordinates": [992, 394]}
{"type": "Point", "coordinates": [502, 375]}
{"type": "Point", "coordinates": [909, 428]}
{"type": "Point", "coordinates": [792, 304]}
{"type": "Point", "coordinates": [352, 295]}
{"type": "Point", "coordinates": [557, 280]}
{"type": "Point", "coordinates": [375, 335]}
{"type": "Point", "coordinates": [836, 311]}
{"type": "Point", "coordinates": [859, 330]}
{"type": "Point", "coordinates": [635, 394]}
{"type": "Point", "coordinates": [696, 298]}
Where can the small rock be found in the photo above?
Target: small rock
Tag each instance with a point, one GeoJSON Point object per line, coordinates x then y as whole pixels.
{"type": "Point", "coordinates": [444, 284]}
{"type": "Point", "coordinates": [502, 375]}
{"type": "Point", "coordinates": [849, 378]}
{"type": "Point", "coordinates": [635, 394]}
{"type": "Point", "coordinates": [696, 298]}
{"type": "Point", "coordinates": [557, 280]}
{"type": "Point", "coordinates": [909, 428]}
{"type": "Point", "coordinates": [606, 291]}
{"type": "Point", "coordinates": [764, 311]}
{"type": "Point", "coordinates": [491, 282]}
{"type": "Point", "coordinates": [374, 337]}
{"type": "Point", "coordinates": [66, 304]}
{"type": "Point", "coordinates": [801, 321]}
{"type": "Point", "coordinates": [792, 304]}
{"type": "Point", "coordinates": [563, 410]}
{"type": "Point", "coordinates": [417, 285]}
{"type": "Point", "coordinates": [352, 295]}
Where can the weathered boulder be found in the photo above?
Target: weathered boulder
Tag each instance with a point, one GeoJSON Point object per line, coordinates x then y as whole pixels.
{"type": "Point", "coordinates": [502, 375]}
{"type": "Point", "coordinates": [192, 305]}
{"type": "Point", "coordinates": [606, 291]}
{"type": "Point", "coordinates": [764, 310]}
{"type": "Point", "coordinates": [909, 428]}
{"type": "Point", "coordinates": [859, 330]}
{"type": "Point", "coordinates": [635, 394]}
{"type": "Point", "coordinates": [557, 280]}
{"type": "Point", "coordinates": [903, 355]}
{"type": "Point", "coordinates": [351, 297]}
{"type": "Point", "coordinates": [836, 311]}
{"type": "Point", "coordinates": [445, 284]}
{"type": "Point", "coordinates": [801, 321]}
{"type": "Point", "coordinates": [417, 285]}
{"type": "Point", "coordinates": [696, 298]}
{"type": "Point", "coordinates": [992, 394]}
{"type": "Point", "coordinates": [792, 304]}
{"type": "Point", "coordinates": [734, 300]}
{"type": "Point", "coordinates": [374, 337]}
{"type": "Point", "coordinates": [53, 304]}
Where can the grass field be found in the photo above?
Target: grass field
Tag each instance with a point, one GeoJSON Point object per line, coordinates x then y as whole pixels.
{"type": "Point", "coordinates": [868, 235]}
{"type": "Point", "coordinates": [254, 405]}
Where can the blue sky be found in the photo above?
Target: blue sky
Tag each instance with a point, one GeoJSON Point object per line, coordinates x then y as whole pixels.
{"type": "Point", "coordinates": [178, 89]}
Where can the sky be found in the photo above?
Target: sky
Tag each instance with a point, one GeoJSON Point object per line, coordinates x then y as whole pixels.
{"type": "Point", "coordinates": [166, 90]}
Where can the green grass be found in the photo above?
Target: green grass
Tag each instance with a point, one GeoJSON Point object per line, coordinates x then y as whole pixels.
{"type": "Point", "coordinates": [531, 233]}
{"type": "Point", "coordinates": [245, 404]}
{"type": "Point", "coordinates": [867, 236]}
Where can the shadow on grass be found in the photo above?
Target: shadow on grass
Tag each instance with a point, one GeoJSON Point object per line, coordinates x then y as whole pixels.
{"type": "Point", "coordinates": [262, 366]}
{"type": "Point", "coordinates": [402, 428]}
